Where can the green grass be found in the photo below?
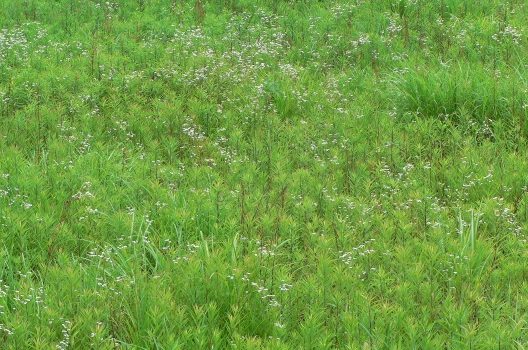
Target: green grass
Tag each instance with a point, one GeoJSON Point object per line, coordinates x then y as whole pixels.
{"type": "Point", "coordinates": [263, 175]}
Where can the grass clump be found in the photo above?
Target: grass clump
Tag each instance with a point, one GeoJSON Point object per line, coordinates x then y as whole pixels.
{"type": "Point", "coordinates": [463, 93]}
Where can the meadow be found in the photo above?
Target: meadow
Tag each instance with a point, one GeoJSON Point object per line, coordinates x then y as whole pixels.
{"type": "Point", "coordinates": [263, 174]}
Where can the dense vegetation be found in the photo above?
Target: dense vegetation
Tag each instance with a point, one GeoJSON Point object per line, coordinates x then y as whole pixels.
{"type": "Point", "coordinates": [255, 174]}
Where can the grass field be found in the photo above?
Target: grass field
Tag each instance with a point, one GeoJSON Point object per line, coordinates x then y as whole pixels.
{"type": "Point", "coordinates": [263, 174]}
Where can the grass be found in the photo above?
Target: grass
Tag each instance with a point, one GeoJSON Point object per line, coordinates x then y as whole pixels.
{"type": "Point", "coordinates": [263, 174]}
